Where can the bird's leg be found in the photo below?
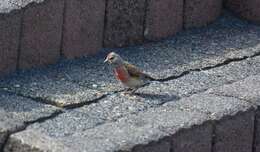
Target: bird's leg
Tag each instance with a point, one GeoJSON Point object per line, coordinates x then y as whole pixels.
{"type": "Point", "coordinates": [130, 91]}
{"type": "Point", "coordinates": [133, 90]}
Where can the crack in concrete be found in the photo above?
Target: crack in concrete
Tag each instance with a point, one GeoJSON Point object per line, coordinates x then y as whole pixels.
{"type": "Point", "coordinates": [87, 102]}
{"type": "Point", "coordinates": [225, 62]}
{"type": "Point", "coordinates": [36, 99]}
{"type": "Point", "coordinates": [9, 133]}
{"type": "Point", "coordinates": [27, 124]}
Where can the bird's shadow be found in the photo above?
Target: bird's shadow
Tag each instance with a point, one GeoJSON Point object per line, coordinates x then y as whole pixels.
{"type": "Point", "coordinates": [159, 98]}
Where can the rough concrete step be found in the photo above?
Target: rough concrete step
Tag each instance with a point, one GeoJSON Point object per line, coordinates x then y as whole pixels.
{"type": "Point", "coordinates": [174, 114]}
{"type": "Point", "coordinates": [189, 124]}
{"type": "Point", "coordinates": [67, 83]}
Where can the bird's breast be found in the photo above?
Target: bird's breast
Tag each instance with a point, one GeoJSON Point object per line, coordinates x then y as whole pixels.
{"type": "Point", "coordinates": [121, 74]}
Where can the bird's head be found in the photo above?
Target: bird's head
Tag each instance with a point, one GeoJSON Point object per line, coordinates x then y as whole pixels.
{"type": "Point", "coordinates": [114, 59]}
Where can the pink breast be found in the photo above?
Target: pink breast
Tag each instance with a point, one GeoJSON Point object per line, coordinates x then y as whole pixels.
{"type": "Point", "coordinates": [121, 74]}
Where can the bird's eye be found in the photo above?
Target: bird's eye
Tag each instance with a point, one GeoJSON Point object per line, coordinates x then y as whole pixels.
{"type": "Point", "coordinates": [111, 58]}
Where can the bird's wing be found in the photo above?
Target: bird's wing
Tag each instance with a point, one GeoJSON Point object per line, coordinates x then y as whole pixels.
{"type": "Point", "coordinates": [133, 70]}
{"type": "Point", "coordinates": [136, 72]}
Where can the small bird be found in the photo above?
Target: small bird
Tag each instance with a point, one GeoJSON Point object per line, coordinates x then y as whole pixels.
{"type": "Point", "coordinates": [128, 74]}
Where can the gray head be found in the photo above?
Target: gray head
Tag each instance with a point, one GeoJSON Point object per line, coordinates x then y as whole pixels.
{"type": "Point", "coordinates": [114, 59]}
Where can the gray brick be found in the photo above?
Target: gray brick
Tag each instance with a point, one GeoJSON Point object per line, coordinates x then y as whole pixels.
{"type": "Point", "coordinates": [124, 22]}
{"type": "Point", "coordinates": [196, 139]}
{"type": "Point", "coordinates": [246, 9]}
{"type": "Point", "coordinates": [42, 30]}
{"type": "Point", "coordinates": [257, 132]}
{"type": "Point", "coordinates": [164, 18]}
{"type": "Point", "coordinates": [235, 134]}
{"type": "Point", "coordinates": [201, 12]}
{"type": "Point", "coordinates": [83, 29]}
{"type": "Point", "coordinates": [9, 41]}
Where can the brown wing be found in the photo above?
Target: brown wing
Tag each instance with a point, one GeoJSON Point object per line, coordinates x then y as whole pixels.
{"type": "Point", "coordinates": [136, 72]}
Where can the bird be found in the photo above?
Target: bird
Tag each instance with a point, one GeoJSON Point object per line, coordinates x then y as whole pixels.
{"type": "Point", "coordinates": [128, 74]}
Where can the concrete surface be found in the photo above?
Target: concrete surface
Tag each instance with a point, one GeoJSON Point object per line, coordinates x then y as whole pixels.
{"type": "Point", "coordinates": [194, 106]}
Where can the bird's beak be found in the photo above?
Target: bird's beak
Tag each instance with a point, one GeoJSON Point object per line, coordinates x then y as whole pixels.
{"type": "Point", "coordinates": [106, 60]}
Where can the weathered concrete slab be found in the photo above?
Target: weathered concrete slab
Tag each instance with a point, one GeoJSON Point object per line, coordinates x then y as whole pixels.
{"type": "Point", "coordinates": [109, 109]}
{"type": "Point", "coordinates": [199, 13]}
{"type": "Point", "coordinates": [247, 89]}
{"type": "Point", "coordinates": [83, 27]}
{"type": "Point", "coordinates": [9, 41]}
{"type": "Point", "coordinates": [234, 120]}
{"type": "Point", "coordinates": [124, 134]}
{"type": "Point", "coordinates": [17, 111]}
{"type": "Point", "coordinates": [246, 9]}
{"type": "Point", "coordinates": [164, 18]}
{"type": "Point", "coordinates": [200, 81]}
{"type": "Point", "coordinates": [124, 22]}
{"type": "Point", "coordinates": [42, 31]}
{"type": "Point", "coordinates": [49, 87]}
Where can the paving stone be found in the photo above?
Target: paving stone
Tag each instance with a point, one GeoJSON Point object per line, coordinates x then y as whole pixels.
{"type": "Point", "coordinates": [124, 134]}
{"type": "Point", "coordinates": [83, 27]}
{"type": "Point", "coordinates": [41, 37]}
{"type": "Point", "coordinates": [234, 119]}
{"type": "Point", "coordinates": [201, 12]}
{"type": "Point", "coordinates": [164, 18]}
{"type": "Point", "coordinates": [124, 22]}
{"type": "Point", "coordinates": [9, 41]}
{"type": "Point", "coordinates": [246, 9]}
{"type": "Point", "coordinates": [49, 87]}
{"type": "Point", "coordinates": [109, 109]}
{"type": "Point", "coordinates": [196, 82]}
{"type": "Point", "coordinates": [17, 111]}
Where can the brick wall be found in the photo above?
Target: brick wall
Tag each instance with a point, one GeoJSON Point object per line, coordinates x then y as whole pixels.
{"type": "Point", "coordinates": [37, 33]}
